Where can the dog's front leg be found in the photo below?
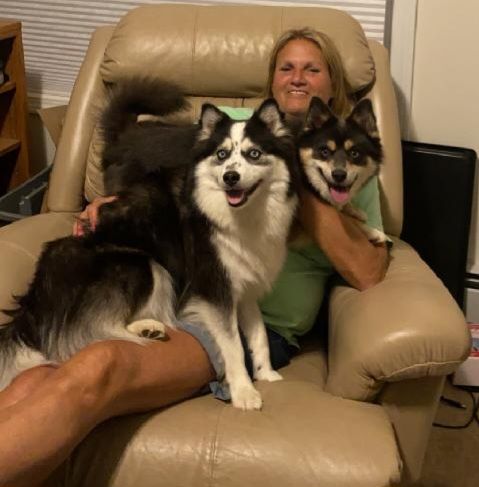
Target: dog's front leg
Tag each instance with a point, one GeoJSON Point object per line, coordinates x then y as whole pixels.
{"type": "Point", "coordinates": [252, 324]}
{"type": "Point", "coordinates": [243, 393]}
{"type": "Point", "coordinates": [223, 327]}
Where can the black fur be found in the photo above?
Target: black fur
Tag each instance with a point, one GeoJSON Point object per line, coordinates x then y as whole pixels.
{"type": "Point", "coordinates": [150, 167]}
{"type": "Point", "coordinates": [106, 269]}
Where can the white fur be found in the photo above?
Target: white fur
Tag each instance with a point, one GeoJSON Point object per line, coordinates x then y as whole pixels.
{"type": "Point", "coordinates": [157, 313]}
{"type": "Point", "coordinates": [224, 330]}
{"type": "Point", "coordinates": [25, 359]}
{"type": "Point", "coordinates": [152, 328]}
{"type": "Point", "coordinates": [251, 239]}
{"type": "Point", "coordinates": [251, 322]}
{"type": "Point", "coordinates": [251, 244]}
{"type": "Point", "coordinates": [161, 304]}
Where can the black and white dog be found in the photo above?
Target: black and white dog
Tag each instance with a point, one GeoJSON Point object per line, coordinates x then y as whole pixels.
{"type": "Point", "coordinates": [203, 213]}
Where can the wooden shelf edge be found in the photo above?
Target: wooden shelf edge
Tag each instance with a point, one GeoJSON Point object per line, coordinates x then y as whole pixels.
{"type": "Point", "coordinates": [8, 145]}
{"type": "Point", "coordinates": [7, 86]}
{"type": "Point", "coordinates": [9, 28]}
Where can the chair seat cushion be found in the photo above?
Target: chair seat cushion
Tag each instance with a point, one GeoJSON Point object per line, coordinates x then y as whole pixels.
{"type": "Point", "coordinates": [302, 437]}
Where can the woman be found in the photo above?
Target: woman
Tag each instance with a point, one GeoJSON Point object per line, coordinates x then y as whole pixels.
{"type": "Point", "coordinates": [305, 63]}
{"type": "Point", "coordinates": [49, 410]}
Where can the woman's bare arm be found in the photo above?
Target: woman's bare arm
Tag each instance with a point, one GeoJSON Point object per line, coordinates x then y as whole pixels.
{"type": "Point", "coordinates": [89, 216]}
{"type": "Point", "coordinates": [361, 263]}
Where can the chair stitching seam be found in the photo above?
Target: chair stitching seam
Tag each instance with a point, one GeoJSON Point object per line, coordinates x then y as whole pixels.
{"type": "Point", "coordinates": [421, 365]}
{"type": "Point", "coordinates": [214, 448]}
{"type": "Point", "coordinates": [18, 248]}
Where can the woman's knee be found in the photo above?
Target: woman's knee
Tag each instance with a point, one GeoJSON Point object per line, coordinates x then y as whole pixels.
{"type": "Point", "coordinates": [90, 373]}
{"type": "Point", "coordinates": [25, 384]}
{"type": "Point", "coordinates": [116, 377]}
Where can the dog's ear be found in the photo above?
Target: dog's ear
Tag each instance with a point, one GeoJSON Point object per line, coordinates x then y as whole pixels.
{"type": "Point", "coordinates": [271, 116]}
{"type": "Point", "coordinates": [209, 119]}
{"type": "Point", "coordinates": [318, 113]}
{"type": "Point", "coordinates": [363, 115]}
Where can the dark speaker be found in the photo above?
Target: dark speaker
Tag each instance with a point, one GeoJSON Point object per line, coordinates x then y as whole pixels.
{"type": "Point", "coordinates": [438, 192]}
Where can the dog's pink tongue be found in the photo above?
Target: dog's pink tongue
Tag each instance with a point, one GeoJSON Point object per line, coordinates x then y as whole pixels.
{"type": "Point", "coordinates": [235, 197]}
{"type": "Point", "coordinates": [339, 195]}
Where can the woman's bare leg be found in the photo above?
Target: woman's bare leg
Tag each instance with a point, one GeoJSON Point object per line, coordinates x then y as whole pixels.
{"type": "Point", "coordinates": [104, 380]}
{"type": "Point", "coordinates": [24, 385]}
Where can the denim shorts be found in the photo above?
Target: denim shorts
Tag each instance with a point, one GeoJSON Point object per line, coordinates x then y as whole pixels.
{"type": "Point", "coordinates": [279, 348]}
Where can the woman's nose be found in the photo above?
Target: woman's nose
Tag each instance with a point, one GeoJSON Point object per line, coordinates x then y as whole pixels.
{"type": "Point", "coordinates": [297, 77]}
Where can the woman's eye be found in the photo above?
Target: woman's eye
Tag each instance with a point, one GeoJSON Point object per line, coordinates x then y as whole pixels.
{"type": "Point", "coordinates": [222, 154]}
{"type": "Point", "coordinates": [254, 154]}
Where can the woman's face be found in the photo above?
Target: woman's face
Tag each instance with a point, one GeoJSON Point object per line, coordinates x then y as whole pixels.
{"type": "Point", "coordinates": [300, 74]}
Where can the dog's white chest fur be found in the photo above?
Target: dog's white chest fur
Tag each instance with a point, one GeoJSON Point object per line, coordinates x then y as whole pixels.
{"type": "Point", "coordinates": [252, 247]}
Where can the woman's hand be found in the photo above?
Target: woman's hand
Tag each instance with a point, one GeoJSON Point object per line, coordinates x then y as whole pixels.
{"type": "Point", "coordinates": [88, 218]}
{"type": "Point", "coordinates": [361, 263]}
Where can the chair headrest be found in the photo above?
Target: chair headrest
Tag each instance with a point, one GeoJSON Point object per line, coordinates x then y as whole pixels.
{"type": "Point", "coordinates": [224, 50]}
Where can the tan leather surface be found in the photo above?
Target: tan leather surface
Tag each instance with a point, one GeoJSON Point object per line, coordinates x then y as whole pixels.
{"type": "Point", "coordinates": [20, 244]}
{"type": "Point", "coordinates": [407, 326]}
{"type": "Point", "coordinates": [68, 174]}
{"type": "Point", "coordinates": [411, 405]}
{"type": "Point", "coordinates": [384, 102]}
{"type": "Point", "coordinates": [223, 50]}
{"type": "Point", "coordinates": [302, 437]}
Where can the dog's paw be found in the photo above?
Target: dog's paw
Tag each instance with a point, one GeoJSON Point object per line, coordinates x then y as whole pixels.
{"type": "Point", "coordinates": [153, 329]}
{"type": "Point", "coordinates": [269, 375]}
{"type": "Point", "coordinates": [246, 397]}
{"type": "Point", "coordinates": [376, 236]}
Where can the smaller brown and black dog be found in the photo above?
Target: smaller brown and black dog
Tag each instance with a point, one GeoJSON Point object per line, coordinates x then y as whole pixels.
{"type": "Point", "coordinates": [339, 156]}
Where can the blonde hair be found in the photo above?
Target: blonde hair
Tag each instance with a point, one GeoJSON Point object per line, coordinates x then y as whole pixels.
{"type": "Point", "coordinates": [341, 88]}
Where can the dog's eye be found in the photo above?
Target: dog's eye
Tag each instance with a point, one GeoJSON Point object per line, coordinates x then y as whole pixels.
{"type": "Point", "coordinates": [324, 152]}
{"type": "Point", "coordinates": [222, 154]}
{"type": "Point", "coordinates": [254, 154]}
{"type": "Point", "coordinates": [354, 154]}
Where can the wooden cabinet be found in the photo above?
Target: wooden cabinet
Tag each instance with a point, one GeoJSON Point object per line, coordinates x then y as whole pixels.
{"type": "Point", "coordinates": [14, 162]}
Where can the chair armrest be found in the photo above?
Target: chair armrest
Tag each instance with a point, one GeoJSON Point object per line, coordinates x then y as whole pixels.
{"type": "Point", "coordinates": [20, 245]}
{"type": "Point", "coordinates": [406, 327]}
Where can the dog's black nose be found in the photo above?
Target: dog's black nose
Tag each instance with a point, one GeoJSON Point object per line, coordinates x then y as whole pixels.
{"type": "Point", "coordinates": [231, 178]}
{"type": "Point", "coordinates": [339, 175]}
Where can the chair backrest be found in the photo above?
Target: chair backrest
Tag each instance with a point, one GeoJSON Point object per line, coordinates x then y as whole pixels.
{"type": "Point", "coordinates": [218, 53]}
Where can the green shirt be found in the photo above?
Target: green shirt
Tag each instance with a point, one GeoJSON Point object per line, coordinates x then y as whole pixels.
{"type": "Point", "coordinates": [237, 113]}
{"type": "Point", "coordinates": [293, 304]}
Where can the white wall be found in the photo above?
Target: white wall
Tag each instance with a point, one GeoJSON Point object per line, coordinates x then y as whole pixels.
{"type": "Point", "coordinates": [445, 87]}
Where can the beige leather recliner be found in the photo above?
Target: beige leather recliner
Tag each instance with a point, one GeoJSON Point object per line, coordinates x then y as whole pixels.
{"type": "Point", "coordinates": [357, 415]}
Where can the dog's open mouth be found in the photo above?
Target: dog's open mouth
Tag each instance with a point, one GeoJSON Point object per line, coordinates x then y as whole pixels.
{"type": "Point", "coordinates": [339, 194]}
{"type": "Point", "coordinates": [238, 197]}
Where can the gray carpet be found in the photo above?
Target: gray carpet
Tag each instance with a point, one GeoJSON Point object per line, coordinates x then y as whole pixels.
{"type": "Point", "coordinates": [452, 458]}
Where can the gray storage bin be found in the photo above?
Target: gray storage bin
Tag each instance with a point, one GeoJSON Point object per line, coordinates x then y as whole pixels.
{"type": "Point", "coordinates": [26, 199]}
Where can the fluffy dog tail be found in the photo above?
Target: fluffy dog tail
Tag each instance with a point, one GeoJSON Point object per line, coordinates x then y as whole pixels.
{"type": "Point", "coordinates": [133, 96]}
